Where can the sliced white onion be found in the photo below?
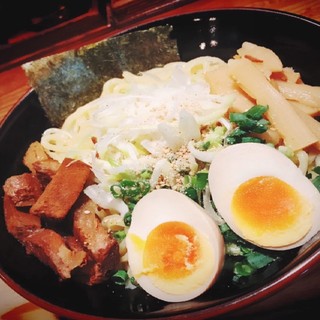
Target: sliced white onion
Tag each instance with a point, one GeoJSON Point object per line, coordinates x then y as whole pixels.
{"type": "Point", "coordinates": [188, 126]}
{"type": "Point", "coordinates": [162, 168]}
{"type": "Point", "coordinates": [317, 160]}
{"type": "Point", "coordinates": [171, 136]}
{"type": "Point", "coordinates": [209, 209]}
{"type": "Point", "coordinates": [105, 199]}
{"type": "Point", "coordinates": [303, 159]}
{"type": "Point", "coordinates": [204, 156]}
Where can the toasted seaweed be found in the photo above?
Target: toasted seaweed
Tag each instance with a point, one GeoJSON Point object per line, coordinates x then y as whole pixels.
{"type": "Point", "coordinates": [68, 80]}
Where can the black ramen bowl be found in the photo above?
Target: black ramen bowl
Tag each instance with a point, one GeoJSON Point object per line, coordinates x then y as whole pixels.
{"type": "Point", "coordinates": [217, 33]}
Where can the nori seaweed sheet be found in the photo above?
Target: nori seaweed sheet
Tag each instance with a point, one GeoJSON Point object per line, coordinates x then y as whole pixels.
{"type": "Point", "coordinates": [68, 80]}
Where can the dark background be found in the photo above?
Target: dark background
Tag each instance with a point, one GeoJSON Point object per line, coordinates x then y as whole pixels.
{"type": "Point", "coordinates": [35, 15]}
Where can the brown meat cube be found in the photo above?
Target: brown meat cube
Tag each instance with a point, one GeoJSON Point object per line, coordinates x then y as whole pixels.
{"type": "Point", "coordinates": [63, 190]}
{"type": "Point", "coordinates": [103, 249]}
{"type": "Point", "coordinates": [35, 152]}
{"type": "Point", "coordinates": [45, 170]}
{"type": "Point", "coordinates": [73, 243]}
{"type": "Point", "coordinates": [50, 248]}
{"type": "Point", "coordinates": [92, 273]}
{"type": "Point", "coordinates": [23, 189]}
{"type": "Point", "coordinates": [18, 223]}
{"type": "Point", "coordinates": [91, 234]}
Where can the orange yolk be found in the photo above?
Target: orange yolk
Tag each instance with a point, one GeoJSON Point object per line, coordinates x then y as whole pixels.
{"type": "Point", "coordinates": [171, 250]}
{"type": "Point", "coordinates": [266, 203]}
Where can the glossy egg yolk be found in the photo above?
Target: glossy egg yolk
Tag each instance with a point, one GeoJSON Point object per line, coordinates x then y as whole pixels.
{"type": "Point", "coordinates": [177, 250]}
{"type": "Point", "coordinates": [270, 212]}
{"type": "Point", "coordinates": [174, 257]}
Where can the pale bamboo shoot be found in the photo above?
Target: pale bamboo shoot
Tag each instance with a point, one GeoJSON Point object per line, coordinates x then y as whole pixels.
{"type": "Point", "coordinates": [294, 131]}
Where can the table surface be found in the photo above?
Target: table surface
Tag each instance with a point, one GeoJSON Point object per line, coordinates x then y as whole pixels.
{"type": "Point", "coordinates": [301, 296]}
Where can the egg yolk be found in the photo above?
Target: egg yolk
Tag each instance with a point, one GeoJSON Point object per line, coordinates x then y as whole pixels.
{"type": "Point", "coordinates": [177, 260]}
{"type": "Point", "coordinates": [171, 250]}
{"type": "Point", "coordinates": [267, 204]}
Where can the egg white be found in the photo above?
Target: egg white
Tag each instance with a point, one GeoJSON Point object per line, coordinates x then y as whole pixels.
{"type": "Point", "coordinates": [166, 205]}
{"type": "Point", "coordinates": [238, 163]}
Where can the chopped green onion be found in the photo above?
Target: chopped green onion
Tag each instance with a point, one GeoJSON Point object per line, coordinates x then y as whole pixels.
{"type": "Point", "coordinates": [256, 112]}
{"type": "Point", "coordinates": [120, 277]}
{"type": "Point", "coordinates": [248, 122]}
{"type": "Point", "coordinates": [232, 249]}
{"type": "Point", "coordinates": [129, 190]}
{"type": "Point", "coordinates": [127, 219]}
{"type": "Point", "coordinates": [205, 146]}
{"type": "Point", "coordinates": [119, 235]}
{"type": "Point", "coordinates": [146, 174]}
{"type": "Point", "coordinates": [243, 269]}
{"type": "Point", "coordinates": [191, 193]}
{"type": "Point", "coordinates": [248, 258]}
{"type": "Point", "coordinates": [251, 139]}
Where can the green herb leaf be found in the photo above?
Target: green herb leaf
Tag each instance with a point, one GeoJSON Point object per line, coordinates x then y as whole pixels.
{"type": "Point", "coordinates": [316, 169]}
{"type": "Point", "coordinates": [191, 193]}
{"type": "Point", "coordinates": [258, 260]}
{"type": "Point", "coordinates": [316, 182]}
{"type": "Point", "coordinates": [200, 180]}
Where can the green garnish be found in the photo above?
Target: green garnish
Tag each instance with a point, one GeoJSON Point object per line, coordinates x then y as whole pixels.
{"type": "Point", "coordinates": [248, 122]}
{"type": "Point", "coordinates": [191, 193]}
{"type": "Point", "coordinates": [127, 217]}
{"type": "Point", "coordinates": [249, 259]}
{"type": "Point", "coordinates": [242, 270]}
{"type": "Point", "coordinates": [119, 235]}
{"type": "Point", "coordinates": [129, 190]}
{"type": "Point", "coordinates": [316, 179]}
{"type": "Point", "coordinates": [200, 180]}
{"type": "Point", "coordinates": [258, 260]}
{"type": "Point", "coordinates": [212, 139]}
{"type": "Point", "coordinates": [194, 185]}
{"type": "Point", "coordinates": [120, 277]}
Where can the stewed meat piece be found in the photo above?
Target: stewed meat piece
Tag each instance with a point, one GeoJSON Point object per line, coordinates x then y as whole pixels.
{"type": "Point", "coordinates": [24, 189]}
{"type": "Point", "coordinates": [51, 249]}
{"type": "Point", "coordinates": [102, 248]}
{"type": "Point", "coordinates": [18, 223]}
{"type": "Point", "coordinates": [63, 190]}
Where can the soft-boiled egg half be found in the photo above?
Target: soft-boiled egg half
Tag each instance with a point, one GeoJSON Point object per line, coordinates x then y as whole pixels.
{"type": "Point", "coordinates": [175, 250]}
{"type": "Point", "coordinates": [264, 197]}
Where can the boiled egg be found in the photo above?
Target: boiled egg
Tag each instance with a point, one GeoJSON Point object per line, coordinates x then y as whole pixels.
{"type": "Point", "coordinates": [264, 197]}
{"type": "Point", "coordinates": [175, 250]}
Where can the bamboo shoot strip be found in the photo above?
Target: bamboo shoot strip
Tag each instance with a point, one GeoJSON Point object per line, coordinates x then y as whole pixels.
{"type": "Point", "coordinates": [294, 131]}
